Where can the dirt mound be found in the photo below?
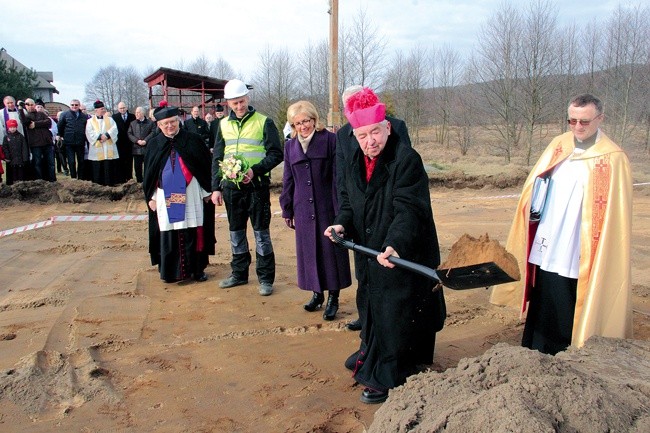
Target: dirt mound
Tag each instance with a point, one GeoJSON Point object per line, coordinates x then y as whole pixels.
{"type": "Point", "coordinates": [459, 180]}
{"type": "Point", "coordinates": [602, 387]}
{"type": "Point", "coordinates": [68, 191]}
{"type": "Point", "coordinates": [469, 250]}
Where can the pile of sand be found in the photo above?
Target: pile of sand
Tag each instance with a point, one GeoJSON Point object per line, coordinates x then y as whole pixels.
{"type": "Point", "coordinates": [68, 190]}
{"type": "Point", "coordinates": [603, 387]}
{"type": "Point", "coordinates": [469, 250]}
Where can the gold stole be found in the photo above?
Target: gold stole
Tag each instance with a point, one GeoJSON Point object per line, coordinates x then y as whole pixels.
{"type": "Point", "coordinates": [99, 144]}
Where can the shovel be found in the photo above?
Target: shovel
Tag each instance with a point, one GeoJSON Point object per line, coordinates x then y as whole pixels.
{"type": "Point", "coordinates": [461, 278]}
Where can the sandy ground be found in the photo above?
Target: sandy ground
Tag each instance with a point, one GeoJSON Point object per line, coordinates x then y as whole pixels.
{"type": "Point", "coordinates": [91, 340]}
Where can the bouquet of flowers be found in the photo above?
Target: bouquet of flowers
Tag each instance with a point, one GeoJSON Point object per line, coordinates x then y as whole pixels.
{"type": "Point", "coordinates": [234, 168]}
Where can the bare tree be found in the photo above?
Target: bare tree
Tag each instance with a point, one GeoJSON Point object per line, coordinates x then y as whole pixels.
{"type": "Point", "coordinates": [447, 75]}
{"type": "Point", "coordinates": [276, 84]}
{"type": "Point", "coordinates": [591, 46]}
{"type": "Point", "coordinates": [201, 66]}
{"type": "Point", "coordinates": [313, 76]}
{"type": "Point", "coordinates": [366, 50]}
{"type": "Point", "coordinates": [626, 50]}
{"type": "Point", "coordinates": [222, 70]}
{"type": "Point", "coordinates": [569, 64]}
{"type": "Point", "coordinates": [105, 86]}
{"type": "Point", "coordinates": [134, 90]}
{"type": "Point", "coordinates": [538, 63]}
{"type": "Point", "coordinates": [497, 68]}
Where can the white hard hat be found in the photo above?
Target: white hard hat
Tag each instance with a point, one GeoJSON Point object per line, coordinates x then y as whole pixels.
{"type": "Point", "coordinates": [234, 89]}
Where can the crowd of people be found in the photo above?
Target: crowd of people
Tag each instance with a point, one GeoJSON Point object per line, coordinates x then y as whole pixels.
{"type": "Point", "coordinates": [101, 147]}
{"type": "Point", "coordinates": [570, 234]}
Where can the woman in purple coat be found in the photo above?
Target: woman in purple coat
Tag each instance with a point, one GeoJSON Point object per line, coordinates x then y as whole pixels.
{"type": "Point", "coordinates": [309, 205]}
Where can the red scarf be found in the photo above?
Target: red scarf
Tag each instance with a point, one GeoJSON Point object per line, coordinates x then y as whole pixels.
{"type": "Point", "coordinates": [370, 167]}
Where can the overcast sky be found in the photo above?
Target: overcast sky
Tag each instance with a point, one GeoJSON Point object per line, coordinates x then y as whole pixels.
{"type": "Point", "coordinates": [74, 39]}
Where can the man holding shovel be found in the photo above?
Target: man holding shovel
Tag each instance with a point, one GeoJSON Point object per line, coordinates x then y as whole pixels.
{"type": "Point", "coordinates": [385, 205]}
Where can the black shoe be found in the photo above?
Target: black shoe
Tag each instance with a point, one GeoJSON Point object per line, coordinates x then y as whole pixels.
{"type": "Point", "coordinates": [351, 362]}
{"type": "Point", "coordinates": [355, 325]}
{"type": "Point", "coordinates": [370, 396]}
{"type": "Point", "coordinates": [200, 277]}
{"type": "Point", "coordinates": [332, 306]}
{"type": "Point", "coordinates": [315, 302]}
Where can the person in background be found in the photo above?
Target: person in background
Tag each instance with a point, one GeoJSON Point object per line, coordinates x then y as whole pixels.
{"type": "Point", "coordinates": [309, 204]}
{"type": "Point", "coordinates": [125, 161]}
{"type": "Point", "coordinates": [16, 153]}
{"type": "Point", "coordinates": [176, 184]}
{"type": "Point", "coordinates": [197, 125]}
{"type": "Point", "coordinates": [573, 240]}
{"type": "Point", "coordinates": [385, 205]}
{"type": "Point", "coordinates": [10, 111]}
{"type": "Point", "coordinates": [208, 119]}
{"type": "Point", "coordinates": [214, 125]}
{"type": "Point", "coordinates": [61, 165]}
{"type": "Point", "coordinates": [346, 146]}
{"type": "Point", "coordinates": [141, 131]}
{"type": "Point", "coordinates": [72, 130]}
{"type": "Point", "coordinates": [103, 156]}
{"type": "Point", "coordinates": [37, 127]}
{"type": "Point", "coordinates": [253, 136]}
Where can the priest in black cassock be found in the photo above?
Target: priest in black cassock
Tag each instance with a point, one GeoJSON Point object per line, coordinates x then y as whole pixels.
{"type": "Point", "coordinates": [177, 188]}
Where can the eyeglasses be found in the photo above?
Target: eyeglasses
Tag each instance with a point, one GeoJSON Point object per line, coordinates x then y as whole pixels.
{"type": "Point", "coordinates": [28, 103]}
{"type": "Point", "coordinates": [574, 122]}
{"type": "Point", "coordinates": [302, 123]}
{"type": "Point", "coordinates": [74, 105]}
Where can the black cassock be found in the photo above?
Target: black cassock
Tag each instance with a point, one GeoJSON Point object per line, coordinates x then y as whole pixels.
{"type": "Point", "coordinates": [179, 254]}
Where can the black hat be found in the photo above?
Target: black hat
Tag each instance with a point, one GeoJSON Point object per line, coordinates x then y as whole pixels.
{"type": "Point", "coordinates": [98, 104]}
{"type": "Point", "coordinates": [40, 102]}
{"type": "Point", "coordinates": [218, 108]}
{"type": "Point", "coordinates": [165, 113]}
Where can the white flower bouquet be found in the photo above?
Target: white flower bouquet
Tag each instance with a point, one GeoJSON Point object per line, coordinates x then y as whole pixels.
{"type": "Point", "coordinates": [234, 168]}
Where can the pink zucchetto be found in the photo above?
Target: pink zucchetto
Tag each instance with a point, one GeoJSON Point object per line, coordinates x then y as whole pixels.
{"type": "Point", "coordinates": [364, 108]}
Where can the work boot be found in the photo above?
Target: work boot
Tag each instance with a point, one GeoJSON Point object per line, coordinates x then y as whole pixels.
{"type": "Point", "coordinates": [265, 289]}
{"type": "Point", "coordinates": [232, 281]}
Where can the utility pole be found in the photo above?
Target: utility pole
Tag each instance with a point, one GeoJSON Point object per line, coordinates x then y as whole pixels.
{"type": "Point", "coordinates": [334, 115]}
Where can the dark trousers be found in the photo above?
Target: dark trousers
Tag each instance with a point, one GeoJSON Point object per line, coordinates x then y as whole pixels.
{"type": "Point", "coordinates": [75, 152]}
{"type": "Point", "coordinates": [125, 162]}
{"type": "Point", "coordinates": [61, 159]}
{"type": "Point", "coordinates": [16, 172]}
{"type": "Point", "coordinates": [138, 161]}
{"type": "Point", "coordinates": [549, 323]}
{"type": "Point", "coordinates": [254, 204]}
{"type": "Point", "coordinates": [104, 172]}
{"type": "Point", "coordinates": [43, 162]}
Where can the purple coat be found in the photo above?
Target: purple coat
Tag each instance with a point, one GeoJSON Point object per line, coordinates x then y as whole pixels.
{"type": "Point", "coordinates": [309, 197]}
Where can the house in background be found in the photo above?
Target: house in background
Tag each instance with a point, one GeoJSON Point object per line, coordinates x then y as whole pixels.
{"type": "Point", "coordinates": [44, 88]}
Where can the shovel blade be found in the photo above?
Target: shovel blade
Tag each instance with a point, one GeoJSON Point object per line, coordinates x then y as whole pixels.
{"type": "Point", "coordinates": [473, 276]}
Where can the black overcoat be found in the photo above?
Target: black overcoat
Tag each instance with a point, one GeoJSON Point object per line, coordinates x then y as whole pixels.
{"type": "Point", "coordinates": [403, 314]}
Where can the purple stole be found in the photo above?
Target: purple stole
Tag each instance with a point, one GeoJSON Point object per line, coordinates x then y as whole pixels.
{"type": "Point", "coordinates": [5, 112]}
{"type": "Point", "coordinates": [175, 186]}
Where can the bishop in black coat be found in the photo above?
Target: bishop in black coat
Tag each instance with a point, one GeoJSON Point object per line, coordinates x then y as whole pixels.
{"type": "Point", "coordinates": [179, 254]}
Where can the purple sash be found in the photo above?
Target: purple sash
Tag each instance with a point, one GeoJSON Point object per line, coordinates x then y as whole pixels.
{"type": "Point", "coordinates": [5, 112]}
{"type": "Point", "coordinates": [175, 186]}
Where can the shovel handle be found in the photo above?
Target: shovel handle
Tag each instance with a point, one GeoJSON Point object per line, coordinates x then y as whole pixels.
{"type": "Point", "coordinates": [397, 261]}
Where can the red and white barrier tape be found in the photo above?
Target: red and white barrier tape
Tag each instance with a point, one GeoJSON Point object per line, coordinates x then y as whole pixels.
{"type": "Point", "coordinates": [25, 228]}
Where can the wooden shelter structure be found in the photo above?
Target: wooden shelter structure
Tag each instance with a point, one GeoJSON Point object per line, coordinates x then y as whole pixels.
{"type": "Point", "coordinates": [185, 90]}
